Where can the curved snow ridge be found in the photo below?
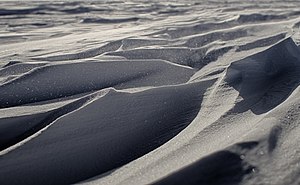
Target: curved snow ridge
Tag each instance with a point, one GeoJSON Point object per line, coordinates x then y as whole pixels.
{"type": "Point", "coordinates": [75, 78]}
{"type": "Point", "coordinates": [111, 46]}
{"type": "Point", "coordinates": [268, 41]}
{"type": "Point", "coordinates": [169, 110]}
{"type": "Point", "coordinates": [18, 128]}
{"type": "Point", "coordinates": [267, 78]}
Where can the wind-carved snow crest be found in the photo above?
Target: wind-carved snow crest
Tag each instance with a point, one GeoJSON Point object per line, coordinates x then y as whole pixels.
{"type": "Point", "coordinates": [149, 92]}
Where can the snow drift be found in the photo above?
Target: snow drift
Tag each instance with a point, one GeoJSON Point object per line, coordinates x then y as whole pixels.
{"type": "Point", "coordinates": [149, 92]}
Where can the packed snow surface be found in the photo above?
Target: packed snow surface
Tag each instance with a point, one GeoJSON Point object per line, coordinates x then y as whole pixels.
{"type": "Point", "coordinates": [150, 92]}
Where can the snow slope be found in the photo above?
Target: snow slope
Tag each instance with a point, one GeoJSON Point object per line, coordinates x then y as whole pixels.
{"type": "Point", "coordinates": [156, 92]}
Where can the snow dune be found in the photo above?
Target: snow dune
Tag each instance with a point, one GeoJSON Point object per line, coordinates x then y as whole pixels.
{"type": "Point", "coordinates": [149, 92]}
